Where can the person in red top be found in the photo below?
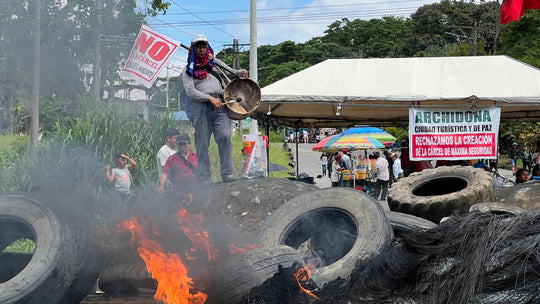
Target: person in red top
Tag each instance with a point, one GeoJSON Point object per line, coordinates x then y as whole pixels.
{"type": "Point", "coordinates": [181, 167]}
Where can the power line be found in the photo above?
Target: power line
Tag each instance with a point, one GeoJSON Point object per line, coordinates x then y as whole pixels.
{"type": "Point", "coordinates": [172, 1]}
{"type": "Point", "coordinates": [175, 27]}
{"type": "Point", "coordinates": [302, 7]}
{"type": "Point", "coordinates": [297, 18]}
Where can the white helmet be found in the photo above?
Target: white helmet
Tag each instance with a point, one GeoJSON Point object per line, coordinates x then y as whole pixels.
{"type": "Point", "coordinates": [199, 38]}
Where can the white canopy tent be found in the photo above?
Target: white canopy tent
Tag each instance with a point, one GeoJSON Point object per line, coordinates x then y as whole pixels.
{"type": "Point", "coordinates": [346, 92]}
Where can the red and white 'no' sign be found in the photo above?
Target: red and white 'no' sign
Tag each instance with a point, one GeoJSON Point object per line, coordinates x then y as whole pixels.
{"type": "Point", "coordinates": [149, 55]}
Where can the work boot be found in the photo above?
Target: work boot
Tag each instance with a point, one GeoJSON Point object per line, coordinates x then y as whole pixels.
{"type": "Point", "coordinates": [228, 178]}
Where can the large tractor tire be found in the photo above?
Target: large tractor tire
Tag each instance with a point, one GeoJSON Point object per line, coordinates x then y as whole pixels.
{"type": "Point", "coordinates": [341, 227]}
{"type": "Point", "coordinates": [436, 193]}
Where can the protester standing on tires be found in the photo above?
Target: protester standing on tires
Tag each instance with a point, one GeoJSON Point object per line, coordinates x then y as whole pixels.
{"type": "Point", "coordinates": [383, 176]}
{"type": "Point", "coordinates": [203, 86]}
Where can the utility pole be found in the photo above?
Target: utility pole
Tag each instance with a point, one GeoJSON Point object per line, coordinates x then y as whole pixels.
{"type": "Point", "coordinates": [497, 32]}
{"type": "Point", "coordinates": [253, 129]}
{"type": "Point", "coordinates": [97, 50]}
{"type": "Point", "coordinates": [167, 90]}
{"type": "Point", "coordinates": [236, 65]}
{"type": "Point", "coordinates": [235, 62]}
{"type": "Point", "coordinates": [473, 40]}
{"type": "Point", "coordinates": [34, 126]}
{"type": "Point", "coordinates": [236, 51]}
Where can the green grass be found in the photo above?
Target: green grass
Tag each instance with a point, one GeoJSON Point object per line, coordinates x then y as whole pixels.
{"type": "Point", "coordinates": [21, 246]}
{"type": "Point", "coordinates": [277, 156]}
{"type": "Point", "coordinates": [6, 140]}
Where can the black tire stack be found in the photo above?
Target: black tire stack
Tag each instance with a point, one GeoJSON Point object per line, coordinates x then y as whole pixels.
{"type": "Point", "coordinates": [64, 266]}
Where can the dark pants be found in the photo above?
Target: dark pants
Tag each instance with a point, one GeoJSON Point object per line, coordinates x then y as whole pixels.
{"type": "Point", "coordinates": [208, 120]}
{"type": "Point", "coordinates": [119, 201]}
{"type": "Point", "coordinates": [378, 185]}
{"type": "Point", "coordinates": [526, 164]}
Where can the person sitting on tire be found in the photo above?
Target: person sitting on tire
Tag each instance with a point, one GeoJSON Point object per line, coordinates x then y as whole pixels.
{"type": "Point", "coordinates": [522, 175]}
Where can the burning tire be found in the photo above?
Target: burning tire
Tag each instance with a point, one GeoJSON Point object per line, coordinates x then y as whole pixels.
{"type": "Point", "coordinates": [494, 207]}
{"type": "Point", "coordinates": [126, 278]}
{"type": "Point", "coordinates": [436, 193]}
{"type": "Point", "coordinates": [339, 226]}
{"type": "Point", "coordinates": [60, 251]}
{"type": "Point", "coordinates": [235, 277]}
{"type": "Point", "coordinates": [401, 222]}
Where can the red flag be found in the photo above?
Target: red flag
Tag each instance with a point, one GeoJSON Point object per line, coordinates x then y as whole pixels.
{"type": "Point", "coordinates": [531, 4]}
{"type": "Point", "coordinates": [511, 10]}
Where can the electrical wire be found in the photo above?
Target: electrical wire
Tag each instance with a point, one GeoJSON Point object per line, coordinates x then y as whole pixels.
{"type": "Point", "coordinates": [300, 7]}
{"type": "Point", "coordinates": [297, 18]}
{"type": "Point", "coordinates": [282, 19]}
{"type": "Point", "coordinates": [203, 20]}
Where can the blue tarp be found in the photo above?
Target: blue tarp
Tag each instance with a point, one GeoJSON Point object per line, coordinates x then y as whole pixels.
{"type": "Point", "coordinates": [180, 115]}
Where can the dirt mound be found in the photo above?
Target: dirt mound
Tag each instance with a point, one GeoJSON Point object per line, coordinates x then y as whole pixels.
{"type": "Point", "coordinates": [249, 201]}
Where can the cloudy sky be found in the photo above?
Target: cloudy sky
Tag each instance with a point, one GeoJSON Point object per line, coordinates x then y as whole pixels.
{"type": "Point", "coordinates": [277, 20]}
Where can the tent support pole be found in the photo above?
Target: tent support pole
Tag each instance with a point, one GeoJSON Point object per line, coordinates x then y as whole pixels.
{"type": "Point", "coordinates": [297, 139]}
{"type": "Point", "coordinates": [268, 147]}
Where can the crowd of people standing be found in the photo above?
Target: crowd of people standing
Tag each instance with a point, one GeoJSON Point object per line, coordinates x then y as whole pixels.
{"type": "Point", "coordinates": [530, 162]}
{"type": "Point", "coordinates": [386, 171]}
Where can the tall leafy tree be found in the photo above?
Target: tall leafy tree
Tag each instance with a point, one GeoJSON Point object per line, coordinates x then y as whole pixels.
{"type": "Point", "coordinates": [369, 38]}
{"type": "Point", "coordinates": [67, 36]}
{"type": "Point", "coordinates": [448, 22]}
{"type": "Point", "coordinates": [519, 39]}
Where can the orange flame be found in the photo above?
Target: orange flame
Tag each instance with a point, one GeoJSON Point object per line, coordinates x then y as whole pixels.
{"type": "Point", "coordinates": [174, 284]}
{"type": "Point", "coordinates": [238, 250]}
{"type": "Point", "coordinates": [192, 227]}
{"type": "Point", "coordinates": [303, 275]}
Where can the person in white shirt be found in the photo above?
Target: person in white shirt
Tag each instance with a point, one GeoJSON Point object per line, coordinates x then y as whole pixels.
{"type": "Point", "coordinates": [397, 170]}
{"type": "Point", "coordinates": [324, 163]}
{"type": "Point", "coordinates": [336, 170]}
{"type": "Point", "coordinates": [168, 149]}
{"type": "Point", "coordinates": [383, 176]}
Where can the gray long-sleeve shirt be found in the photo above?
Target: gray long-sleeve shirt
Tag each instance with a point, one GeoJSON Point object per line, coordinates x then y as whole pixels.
{"type": "Point", "coordinates": [201, 89]}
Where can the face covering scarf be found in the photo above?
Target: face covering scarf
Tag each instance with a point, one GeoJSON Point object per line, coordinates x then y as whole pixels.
{"type": "Point", "coordinates": [198, 66]}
